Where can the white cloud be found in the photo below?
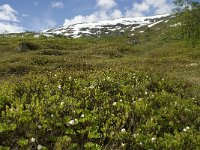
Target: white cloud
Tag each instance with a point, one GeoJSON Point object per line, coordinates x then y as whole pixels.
{"type": "Point", "coordinates": [7, 13]}
{"type": "Point", "coordinates": [116, 14]}
{"type": "Point", "coordinates": [132, 13]}
{"type": "Point", "coordinates": [10, 28]}
{"type": "Point", "coordinates": [161, 6]}
{"type": "Point", "coordinates": [25, 15]}
{"type": "Point", "coordinates": [106, 4]}
{"type": "Point", "coordinates": [9, 23]}
{"type": "Point", "coordinates": [57, 5]}
{"type": "Point", "coordinates": [79, 19]}
{"type": "Point", "coordinates": [106, 9]}
{"type": "Point", "coordinates": [96, 16]}
{"type": "Point", "coordinates": [155, 6]}
{"type": "Point", "coordinates": [141, 7]}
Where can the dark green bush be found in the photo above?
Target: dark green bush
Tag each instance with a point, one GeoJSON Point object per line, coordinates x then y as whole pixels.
{"type": "Point", "coordinates": [24, 46]}
{"type": "Point", "coordinates": [52, 52]}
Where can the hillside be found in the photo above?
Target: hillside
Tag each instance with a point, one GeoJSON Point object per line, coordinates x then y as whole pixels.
{"type": "Point", "coordinates": [121, 89]}
{"type": "Point", "coordinates": [107, 27]}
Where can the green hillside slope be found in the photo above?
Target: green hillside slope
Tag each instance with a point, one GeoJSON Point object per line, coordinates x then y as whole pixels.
{"type": "Point", "coordinates": [110, 92]}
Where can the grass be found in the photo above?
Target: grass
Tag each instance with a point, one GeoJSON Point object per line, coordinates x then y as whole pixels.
{"type": "Point", "coordinates": [100, 93]}
{"type": "Point", "coordinates": [156, 52]}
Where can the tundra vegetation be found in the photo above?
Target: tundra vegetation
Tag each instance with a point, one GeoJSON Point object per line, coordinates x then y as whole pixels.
{"type": "Point", "coordinates": [100, 93]}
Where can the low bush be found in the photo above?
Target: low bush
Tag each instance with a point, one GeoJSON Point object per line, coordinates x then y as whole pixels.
{"type": "Point", "coordinates": [107, 111]}
{"type": "Point", "coordinates": [24, 46]}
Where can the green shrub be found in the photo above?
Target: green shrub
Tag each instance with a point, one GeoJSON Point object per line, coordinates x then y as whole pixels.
{"type": "Point", "coordinates": [107, 111]}
{"type": "Point", "coordinates": [24, 46]}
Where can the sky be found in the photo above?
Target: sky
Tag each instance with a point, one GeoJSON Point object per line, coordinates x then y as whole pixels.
{"type": "Point", "coordinates": [38, 15]}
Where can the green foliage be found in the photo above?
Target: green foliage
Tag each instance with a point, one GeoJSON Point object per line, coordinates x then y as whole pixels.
{"type": "Point", "coordinates": [110, 110]}
{"type": "Point", "coordinates": [187, 20]}
{"type": "Point", "coordinates": [110, 92]}
{"type": "Point", "coordinates": [24, 46]}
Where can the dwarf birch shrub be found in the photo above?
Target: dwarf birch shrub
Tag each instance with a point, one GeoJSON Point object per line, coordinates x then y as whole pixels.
{"type": "Point", "coordinates": [101, 110]}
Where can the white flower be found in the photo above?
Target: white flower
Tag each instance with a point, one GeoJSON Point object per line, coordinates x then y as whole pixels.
{"type": "Point", "coordinates": [39, 147]}
{"type": "Point", "coordinates": [55, 75]}
{"type": "Point", "coordinates": [123, 130]}
{"type": "Point", "coordinates": [82, 116]}
{"type": "Point", "coordinates": [135, 135]}
{"type": "Point", "coordinates": [59, 87]}
{"type": "Point", "coordinates": [187, 128]}
{"type": "Point", "coordinates": [115, 103]}
{"type": "Point", "coordinates": [52, 115]}
{"type": "Point", "coordinates": [184, 130]}
{"type": "Point", "coordinates": [72, 122]}
{"type": "Point", "coordinates": [153, 139]}
{"type": "Point", "coordinates": [121, 100]}
{"type": "Point", "coordinates": [141, 143]}
{"type": "Point", "coordinates": [108, 78]}
{"type": "Point", "coordinates": [140, 99]}
{"type": "Point", "coordinates": [39, 126]}
{"type": "Point", "coordinates": [33, 140]}
{"type": "Point", "coordinates": [70, 78]}
{"type": "Point", "coordinates": [145, 93]}
{"type": "Point", "coordinates": [62, 103]}
{"type": "Point", "coordinates": [91, 87]}
{"type": "Point", "coordinates": [123, 144]}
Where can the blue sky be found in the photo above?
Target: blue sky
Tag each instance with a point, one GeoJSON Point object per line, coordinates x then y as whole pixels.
{"type": "Point", "coordinates": [37, 15]}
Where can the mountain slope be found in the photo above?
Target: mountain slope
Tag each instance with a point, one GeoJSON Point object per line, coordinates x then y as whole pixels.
{"type": "Point", "coordinates": [107, 27]}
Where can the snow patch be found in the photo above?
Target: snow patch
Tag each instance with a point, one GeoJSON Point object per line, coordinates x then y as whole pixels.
{"type": "Point", "coordinates": [175, 25]}
{"type": "Point", "coordinates": [96, 28]}
{"type": "Point", "coordinates": [153, 24]}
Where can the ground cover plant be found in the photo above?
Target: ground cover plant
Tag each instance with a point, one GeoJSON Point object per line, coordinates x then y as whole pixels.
{"type": "Point", "coordinates": [108, 111]}
{"type": "Point", "coordinates": [107, 92]}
